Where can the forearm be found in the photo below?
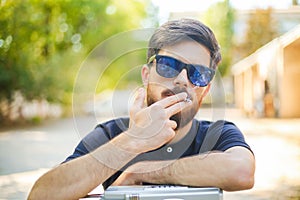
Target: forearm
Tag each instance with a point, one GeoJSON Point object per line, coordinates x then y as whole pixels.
{"type": "Point", "coordinates": [67, 181]}
{"type": "Point", "coordinates": [76, 178]}
{"type": "Point", "coordinates": [228, 171]}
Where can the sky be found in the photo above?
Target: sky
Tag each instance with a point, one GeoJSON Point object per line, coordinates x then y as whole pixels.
{"type": "Point", "coordinates": [167, 6]}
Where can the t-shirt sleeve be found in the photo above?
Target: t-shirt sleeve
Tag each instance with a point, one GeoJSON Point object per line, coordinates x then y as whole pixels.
{"type": "Point", "coordinates": [222, 135]}
{"type": "Point", "coordinates": [99, 136]}
{"type": "Point", "coordinates": [231, 136]}
{"type": "Point", "coordinates": [90, 142]}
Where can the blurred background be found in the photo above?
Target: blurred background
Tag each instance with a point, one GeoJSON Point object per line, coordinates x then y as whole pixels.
{"type": "Point", "coordinates": [67, 65]}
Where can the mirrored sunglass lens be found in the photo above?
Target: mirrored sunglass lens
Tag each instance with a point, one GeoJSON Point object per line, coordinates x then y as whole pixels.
{"type": "Point", "coordinates": [167, 67]}
{"type": "Point", "coordinates": [200, 75]}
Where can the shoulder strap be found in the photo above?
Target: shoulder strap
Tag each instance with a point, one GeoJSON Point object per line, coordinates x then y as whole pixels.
{"type": "Point", "coordinates": [212, 136]}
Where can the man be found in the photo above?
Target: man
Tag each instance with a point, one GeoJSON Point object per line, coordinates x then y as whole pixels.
{"type": "Point", "coordinates": [161, 142]}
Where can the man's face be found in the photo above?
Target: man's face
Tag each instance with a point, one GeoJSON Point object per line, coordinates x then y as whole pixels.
{"type": "Point", "coordinates": [159, 87]}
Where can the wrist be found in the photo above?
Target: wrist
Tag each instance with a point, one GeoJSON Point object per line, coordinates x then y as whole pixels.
{"type": "Point", "coordinates": [156, 172]}
{"type": "Point", "coordinates": [129, 143]}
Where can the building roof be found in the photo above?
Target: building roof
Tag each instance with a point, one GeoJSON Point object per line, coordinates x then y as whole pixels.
{"type": "Point", "coordinates": [279, 42]}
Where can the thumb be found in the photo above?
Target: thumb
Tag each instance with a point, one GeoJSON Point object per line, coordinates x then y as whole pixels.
{"type": "Point", "coordinates": [138, 103]}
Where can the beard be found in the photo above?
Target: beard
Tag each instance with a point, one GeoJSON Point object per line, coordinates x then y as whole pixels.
{"type": "Point", "coordinates": [183, 117]}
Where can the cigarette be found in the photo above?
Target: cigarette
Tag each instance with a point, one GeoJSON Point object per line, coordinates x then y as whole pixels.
{"type": "Point", "coordinates": [188, 99]}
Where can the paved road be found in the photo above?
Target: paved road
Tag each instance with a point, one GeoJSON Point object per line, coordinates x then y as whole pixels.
{"type": "Point", "coordinates": [26, 153]}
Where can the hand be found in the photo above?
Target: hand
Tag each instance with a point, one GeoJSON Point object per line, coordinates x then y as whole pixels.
{"type": "Point", "coordinates": [135, 173]}
{"type": "Point", "coordinates": [128, 178]}
{"type": "Point", "coordinates": [151, 127]}
{"type": "Point", "coordinates": [156, 172]}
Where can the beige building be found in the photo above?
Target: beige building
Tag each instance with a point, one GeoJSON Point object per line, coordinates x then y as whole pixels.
{"type": "Point", "coordinates": [267, 83]}
{"type": "Point", "coordinates": [285, 19]}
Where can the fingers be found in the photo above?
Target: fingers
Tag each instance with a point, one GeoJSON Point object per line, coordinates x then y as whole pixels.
{"type": "Point", "coordinates": [166, 102]}
{"type": "Point", "coordinates": [172, 110]}
{"type": "Point", "coordinates": [163, 108]}
{"type": "Point", "coordinates": [172, 124]}
{"type": "Point", "coordinates": [173, 104]}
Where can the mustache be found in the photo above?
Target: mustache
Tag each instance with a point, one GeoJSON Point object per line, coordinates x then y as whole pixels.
{"type": "Point", "coordinates": [176, 90]}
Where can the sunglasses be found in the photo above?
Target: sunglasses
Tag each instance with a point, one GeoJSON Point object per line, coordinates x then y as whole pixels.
{"type": "Point", "coordinates": [169, 67]}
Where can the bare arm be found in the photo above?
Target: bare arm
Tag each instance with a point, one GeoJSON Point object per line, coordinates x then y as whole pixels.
{"type": "Point", "coordinates": [76, 178]}
{"type": "Point", "coordinates": [150, 128]}
{"type": "Point", "coordinates": [230, 170]}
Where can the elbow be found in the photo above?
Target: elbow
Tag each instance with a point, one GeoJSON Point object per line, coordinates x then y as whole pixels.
{"type": "Point", "coordinates": [239, 181]}
{"type": "Point", "coordinates": [32, 196]}
{"type": "Point", "coordinates": [243, 181]}
{"type": "Point", "coordinates": [40, 190]}
{"type": "Point", "coordinates": [35, 193]}
{"type": "Point", "coordinates": [240, 178]}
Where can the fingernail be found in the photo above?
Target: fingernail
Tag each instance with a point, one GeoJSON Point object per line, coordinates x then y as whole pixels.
{"type": "Point", "coordinates": [141, 90]}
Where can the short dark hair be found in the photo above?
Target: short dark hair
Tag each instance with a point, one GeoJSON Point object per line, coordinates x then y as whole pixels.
{"type": "Point", "coordinates": [176, 31]}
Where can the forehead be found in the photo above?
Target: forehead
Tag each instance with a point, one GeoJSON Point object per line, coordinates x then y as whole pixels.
{"type": "Point", "coordinates": [188, 52]}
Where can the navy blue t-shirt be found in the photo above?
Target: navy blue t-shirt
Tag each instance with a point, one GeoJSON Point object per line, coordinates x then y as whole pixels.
{"type": "Point", "coordinates": [204, 136]}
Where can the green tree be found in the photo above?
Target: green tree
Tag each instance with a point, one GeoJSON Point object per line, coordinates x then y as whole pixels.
{"type": "Point", "coordinates": [220, 17]}
{"type": "Point", "coordinates": [42, 43]}
{"type": "Point", "coordinates": [261, 29]}
{"type": "Point", "coordinates": [295, 2]}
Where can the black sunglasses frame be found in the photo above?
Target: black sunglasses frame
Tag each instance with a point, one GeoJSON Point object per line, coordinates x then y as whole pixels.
{"type": "Point", "coordinates": [197, 80]}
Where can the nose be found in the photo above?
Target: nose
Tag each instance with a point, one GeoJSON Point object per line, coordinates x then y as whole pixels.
{"type": "Point", "coordinates": [182, 79]}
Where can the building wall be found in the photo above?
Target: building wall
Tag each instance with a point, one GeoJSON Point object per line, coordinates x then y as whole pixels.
{"type": "Point", "coordinates": [238, 90]}
{"type": "Point", "coordinates": [249, 91]}
{"type": "Point", "coordinates": [290, 91]}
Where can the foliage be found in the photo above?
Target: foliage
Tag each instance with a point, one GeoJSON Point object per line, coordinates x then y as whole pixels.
{"type": "Point", "coordinates": [261, 29]}
{"type": "Point", "coordinates": [42, 43]}
{"type": "Point", "coordinates": [220, 17]}
{"type": "Point", "coordinates": [295, 2]}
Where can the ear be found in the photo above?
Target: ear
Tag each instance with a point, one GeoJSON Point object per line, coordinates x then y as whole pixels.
{"type": "Point", "coordinates": [145, 74]}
